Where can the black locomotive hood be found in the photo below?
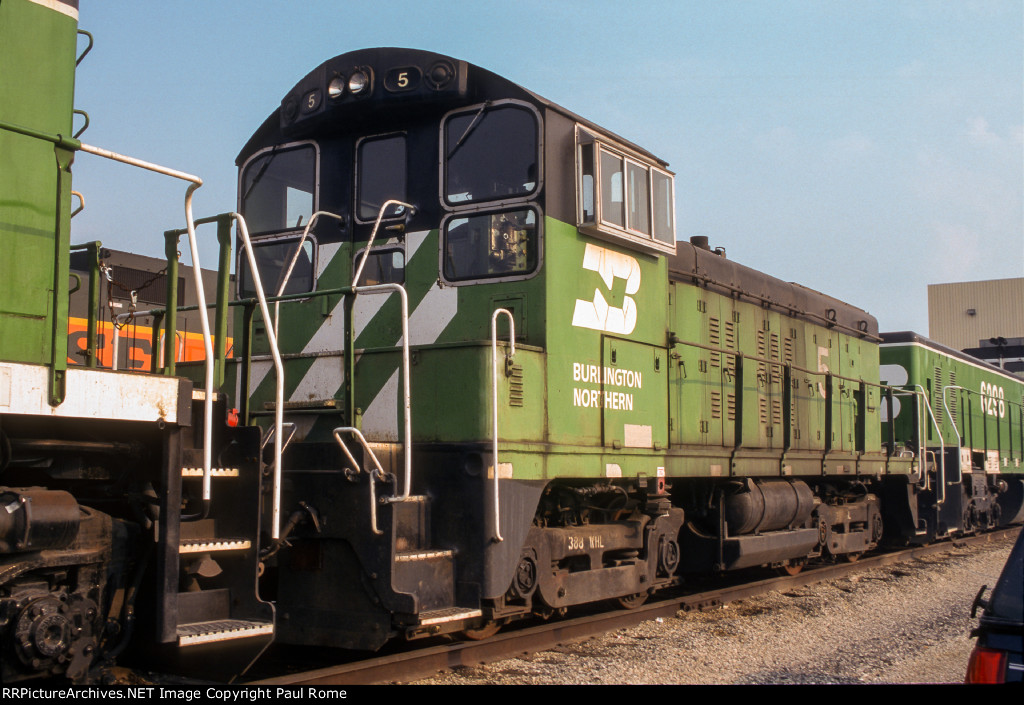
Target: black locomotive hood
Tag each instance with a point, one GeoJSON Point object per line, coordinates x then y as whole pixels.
{"type": "Point", "coordinates": [390, 81]}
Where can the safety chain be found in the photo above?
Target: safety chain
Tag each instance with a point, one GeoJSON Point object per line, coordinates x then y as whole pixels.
{"type": "Point", "coordinates": [132, 293]}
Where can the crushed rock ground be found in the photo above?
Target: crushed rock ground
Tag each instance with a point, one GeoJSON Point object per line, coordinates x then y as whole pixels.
{"type": "Point", "coordinates": [904, 623]}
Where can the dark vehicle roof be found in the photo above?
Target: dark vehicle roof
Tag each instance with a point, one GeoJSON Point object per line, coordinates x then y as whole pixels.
{"type": "Point", "coordinates": [1006, 605]}
{"type": "Point", "coordinates": [713, 271]}
{"type": "Point", "coordinates": [473, 84]}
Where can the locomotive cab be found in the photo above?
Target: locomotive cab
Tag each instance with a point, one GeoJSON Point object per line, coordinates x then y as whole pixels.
{"type": "Point", "coordinates": [470, 193]}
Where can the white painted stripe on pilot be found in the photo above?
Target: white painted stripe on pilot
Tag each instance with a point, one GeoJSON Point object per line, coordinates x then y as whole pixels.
{"type": "Point", "coordinates": [325, 253]}
{"type": "Point", "coordinates": [331, 335]}
{"type": "Point", "coordinates": [324, 377]}
{"type": "Point", "coordinates": [303, 425]}
{"type": "Point", "coordinates": [432, 315]}
{"type": "Point", "coordinates": [380, 420]}
{"type": "Point", "coordinates": [366, 307]}
{"type": "Point", "coordinates": [413, 242]}
{"type": "Point", "coordinates": [260, 369]}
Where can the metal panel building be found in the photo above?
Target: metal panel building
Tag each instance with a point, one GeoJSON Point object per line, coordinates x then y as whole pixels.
{"type": "Point", "coordinates": [968, 315]}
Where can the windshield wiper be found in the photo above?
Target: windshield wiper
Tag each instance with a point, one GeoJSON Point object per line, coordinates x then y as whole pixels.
{"type": "Point", "coordinates": [259, 174]}
{"type": "Point", "coordinates": [472, 126]}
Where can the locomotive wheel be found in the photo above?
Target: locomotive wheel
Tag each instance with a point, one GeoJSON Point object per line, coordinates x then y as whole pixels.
{"type": "Point", "coordinates": [486, 631]}
{"type": "Point", "coordinates": [631, 602]}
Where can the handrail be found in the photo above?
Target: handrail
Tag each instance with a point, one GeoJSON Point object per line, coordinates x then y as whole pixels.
{"type": "Point", "coordinates": [380, 471]}
{"type": "Point", "coordinates": [204, 323]}
{"type": "Point", "coordinates": [84, 127]}
{"type": "Point", "coordinates": [494, 401]}
{"type": "Point", "coordinates": [94, 249]}
{"type": "Point", "coordinates": [243, 232]}
{"type": "Point", "coordinates": [949, 415]}
{"type": "Point", "coordinates": [959, 439]}
{"type": "Point", "coordinates": [295, 258]}
{"type": "Point", "coordinates": [373, 233]}
{"type": "Point", "coordinates": [88, 48]}
{"type": "Point", "coordinates": [81, 203]}
{"type": "Point", "coordinates": [920, 391]}
{"type": "Point", "coordinates": [406, 387]}
{"type": "Point", "coordinates": [194, 183]}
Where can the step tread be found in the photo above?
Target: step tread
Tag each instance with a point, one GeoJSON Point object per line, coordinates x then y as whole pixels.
{"type": "Point", "coordinates": [211, 544]}
{"type": "Point", "coordinates": [448, 614]}
{"type": "Point", "coordinates": [214, 472]}
{"type": "Point", "coordinates": [221, 630]}
{"type": "Point", "coordinates": [422, 555]}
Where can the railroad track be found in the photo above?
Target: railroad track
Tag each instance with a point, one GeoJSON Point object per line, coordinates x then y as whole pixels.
{"type": "Point", "coordinates": [424, 662]}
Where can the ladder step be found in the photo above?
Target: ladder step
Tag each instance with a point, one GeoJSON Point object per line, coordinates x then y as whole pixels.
{"type": "Point", "coordinates": [206, 545]}
{"type": "Point", "coordinates": [411, 556]}
{"type": "Point", "coordinates": [448, 614]}
{"type": "Point", "coordinates": [200, 395]}
{"type": "Point", "coordinates": [329, 404]}
{"type": "Point", "coordinates": [221, 630]}
{"type": "Point", "coordinates": [214, 472]}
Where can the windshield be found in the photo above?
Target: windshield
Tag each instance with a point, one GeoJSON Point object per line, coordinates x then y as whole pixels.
{"type": "Point", "coordinates": [491, 154]}
{"type": "Point", "coordinates": [278, 189]}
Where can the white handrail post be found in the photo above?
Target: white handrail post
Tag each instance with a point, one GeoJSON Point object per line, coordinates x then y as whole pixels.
{"type": "Point", "coordinates": [494, 402]}
{"type": "Point", "coordinates": [295, 258]}
{"type": "Point", "coordinates": [406, 385]}
{"type": "Point", "coordinates": [243, 232]}
{"type": "Point", "coordinates": [949, 415]}
{"type": "Point", "coordinates": [380, 471]}
{"type": "Point", "coordinates": [373, 234]}
{"type": "Point", "coordinates": [194, 183]}
{"type": "Point", "coordinates": [942, 446]}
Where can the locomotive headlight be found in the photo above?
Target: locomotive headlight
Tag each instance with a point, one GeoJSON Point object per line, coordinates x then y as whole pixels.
{"type": "Point", "coordinates": [358, 83]}
{"type": "Point", "coordinates": [336, 88]}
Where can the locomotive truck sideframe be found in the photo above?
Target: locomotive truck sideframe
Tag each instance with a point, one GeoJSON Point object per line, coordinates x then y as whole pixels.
{"type": "Point", "coordinates": [493, 385]}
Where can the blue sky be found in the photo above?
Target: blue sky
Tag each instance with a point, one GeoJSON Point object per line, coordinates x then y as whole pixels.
{"type": "Point", "coordinates": [864, 149]}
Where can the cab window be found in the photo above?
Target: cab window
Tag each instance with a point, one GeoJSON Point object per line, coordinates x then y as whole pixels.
{"type": "Point", "coordinates": [623, 196]}
{"type": "Point", "coordinates": [490, 153]}
{"type": "Point", "coordinates": [491, 245]}
{"type": "Point", "coordinates": [278, 189]}
{"type": "Point", "coordinates": [386, 266]}
{"type": "Point", "coordinates": [273, 259]}
{"type": "Point", "coordinates": [381, 176]}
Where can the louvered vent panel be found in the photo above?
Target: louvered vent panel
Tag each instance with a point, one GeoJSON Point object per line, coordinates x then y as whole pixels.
{"type": "Point", "coordinates": [716, 405]}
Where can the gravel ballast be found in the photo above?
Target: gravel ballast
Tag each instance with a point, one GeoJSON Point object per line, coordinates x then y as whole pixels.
{"type": "Point", "coordinates": [904, 623]}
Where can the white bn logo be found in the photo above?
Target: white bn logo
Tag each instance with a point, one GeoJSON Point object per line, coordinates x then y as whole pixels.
{"type": "Point", "coordinates": [597, 314]}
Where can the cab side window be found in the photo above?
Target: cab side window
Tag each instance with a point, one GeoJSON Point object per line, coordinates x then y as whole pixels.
{"type": "Point", "coordinates": [380, 176]}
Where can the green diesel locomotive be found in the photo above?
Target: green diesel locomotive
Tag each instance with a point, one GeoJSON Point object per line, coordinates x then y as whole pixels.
{"type": "Point", "coordinates": [474, 379]}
